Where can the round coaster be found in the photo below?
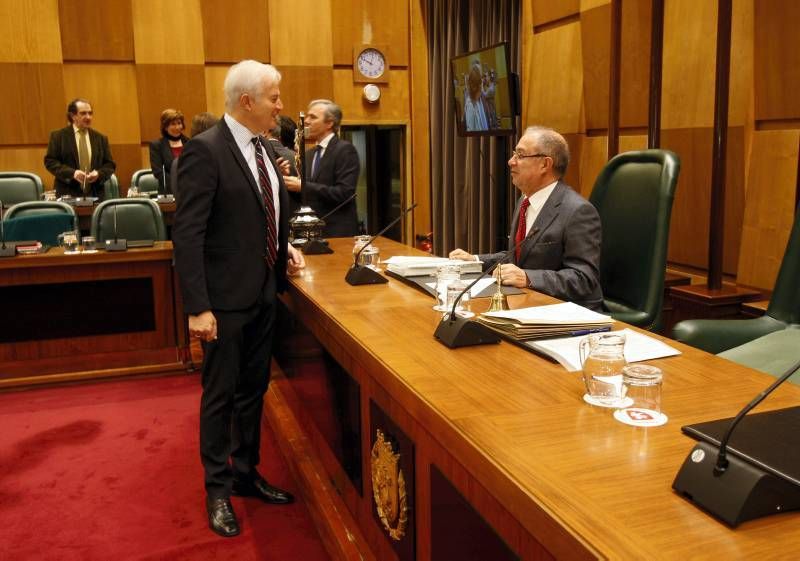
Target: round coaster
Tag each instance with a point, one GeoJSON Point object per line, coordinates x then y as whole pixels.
{"type": "Point", "coordinates": [637, 417]}
{"type": "Point", "coordinates": [616, 405]}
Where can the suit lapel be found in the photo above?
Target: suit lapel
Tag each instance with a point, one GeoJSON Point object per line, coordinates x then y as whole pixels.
{"type": "Point", "coordinates": [546, 217]}
{"type": "Point", "coordinates": [73, 146]}
{"type": "Point", "coordinates": [328, 151]}
{"type": "Point", "coordinates": [237, 155]}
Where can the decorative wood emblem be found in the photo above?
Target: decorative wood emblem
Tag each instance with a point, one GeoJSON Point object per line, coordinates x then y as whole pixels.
{"type": "Point", "coordinates": [389, 487]}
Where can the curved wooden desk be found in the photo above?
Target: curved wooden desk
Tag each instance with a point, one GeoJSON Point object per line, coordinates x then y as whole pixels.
{"type": "Point", "coordinates": [553, 477]}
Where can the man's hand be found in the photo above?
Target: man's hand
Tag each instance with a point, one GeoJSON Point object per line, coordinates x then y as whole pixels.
{"type": "Point", "coordinates": [292, 183]}
{"type": "Point", "coordinates": [295, 260]}
{"type": "Point", "coordinates": [203, 326]}
{"type": "Point", "coordinates": [79, 176]}
{"type": "Point", "coordinates": [462, 255]}
{"type": "Point", "coordinates": [93, 175]}
{"type": "Point", "coordinates": [283, 163]}
{"type": "Point", "coordinates": [511, 275]}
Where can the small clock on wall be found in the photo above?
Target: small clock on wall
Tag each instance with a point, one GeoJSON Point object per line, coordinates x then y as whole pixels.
{"type": "Point", "coordinates": [370, 64]}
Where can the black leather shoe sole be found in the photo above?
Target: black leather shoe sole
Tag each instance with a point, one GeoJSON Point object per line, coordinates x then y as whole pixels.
{"type": "Point", "coordinates": [264, 491]}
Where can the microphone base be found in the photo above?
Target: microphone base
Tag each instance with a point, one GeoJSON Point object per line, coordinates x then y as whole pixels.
{"type": "Point", "coordinates": [463, 332]}
{"type": "Point", "coordinates": [316, 246]}
{"type": "Point", "coordinates": [116, 245]}
{"type": "Point", "coordinates": [743, 492]}
{"type": "Point", "coordinates": [358, 275]}
{"type": "Point", "coordinates": [7, 250]}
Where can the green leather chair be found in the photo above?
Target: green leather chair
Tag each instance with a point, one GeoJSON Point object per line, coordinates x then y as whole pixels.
{"type": "Point", "coordinates": [40, 227]}
{"type": "Point", "coordinates": [111, 187]}
{"type": "Point", "coordinates": [146, 182]}
{"type": "Point", "coordinates": [137, 219]}
{"type": "Point", "coordinates": [19, 186]}
{"type": "Point", "coordinates": [33, 208]}
{"type": "Point", "coordinates": [717, 335]}
{"type": "Point", "coordinates": [633, 195]}
{"type": "Point", "coordinates": [772, 353]}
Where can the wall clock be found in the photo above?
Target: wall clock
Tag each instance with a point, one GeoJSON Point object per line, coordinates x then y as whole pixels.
{"type": "Point", "coordinates": [370, 64]}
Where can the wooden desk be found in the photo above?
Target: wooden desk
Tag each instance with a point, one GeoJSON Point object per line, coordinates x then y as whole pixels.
{"type": "Point", "coordinates": [85, 215]}
{"type": "Point", "coordinates": [69, 317]}
{"type": "Point", "coordinates": [552, 476]}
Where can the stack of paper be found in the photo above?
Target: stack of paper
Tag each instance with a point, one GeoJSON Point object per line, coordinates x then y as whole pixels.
{"type": "Point", "coordinates": [546, 321]}
{"type": "Point", "coordinates": [416, 266]}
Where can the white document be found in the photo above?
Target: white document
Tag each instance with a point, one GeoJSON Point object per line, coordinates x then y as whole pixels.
{"type": "Point", "coordinates": [415, 266]}
{"type": "Point", "coordinates": [565, 313]}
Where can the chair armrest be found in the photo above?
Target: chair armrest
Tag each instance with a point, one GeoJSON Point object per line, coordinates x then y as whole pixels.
{"type": "Point", "coordinates": [717, 335]}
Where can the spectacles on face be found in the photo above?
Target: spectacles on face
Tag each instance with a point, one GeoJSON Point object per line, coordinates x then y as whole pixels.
{"type": "Point", "coordinates": [519, 156]}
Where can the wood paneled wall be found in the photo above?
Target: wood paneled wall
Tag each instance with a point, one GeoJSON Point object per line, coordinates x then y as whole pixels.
{"type": "Point", "coordinates": [565, 85]}
{"type": "Point", "coordinates": [134, 58]}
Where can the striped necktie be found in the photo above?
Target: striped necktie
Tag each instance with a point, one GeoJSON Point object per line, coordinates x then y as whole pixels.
{"type": "Point", "coordinates": [269, 204]}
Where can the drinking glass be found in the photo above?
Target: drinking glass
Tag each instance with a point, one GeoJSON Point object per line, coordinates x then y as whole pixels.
{"type": "Point", "coordinates": [454, 289]}
{"type": "Point", "coordinates": [641, 383]}
{"type": "Point", "coordinates": [69, 241]}
{"type": "Point", "coordinates": [89, 244]}
{"type": "Point", "coordinates": [445, 274]}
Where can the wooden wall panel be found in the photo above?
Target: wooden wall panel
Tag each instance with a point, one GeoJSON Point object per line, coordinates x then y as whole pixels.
{"type": "Point", "coordinates": [546, 11]}
{"type": "Point", "coordinates": [128, 160]}
{"type": "Point", "coordinates": [235, 30]}
{"type": "Point", "coordinates": [635, 68]}
{"type": "Point", "coordinates": [593, 158]}
{"type": "Point", "coordinates": [380, 23]}
{"type": "Point", "coordinates": [301, 33]}
{"type": "Point", "coordinates": [418, 153]}
{"type": "Point", "coordinates": [777, 59]}
{"type": "Point", "coordinates": [740, 108]}
{"type": "Point", "coordinates": [632, 142]}
{"type": "Point", "coordinates": [299, 85]}
{"type": "Point", "coordinates": [215, 97]}
{"type": "Point", "coordinates": [179, 86]}
{"type": "Point", "coordinates": [29, 31]}
{"type": "Point", "coordinates": [556, 72]}
{"type": "Point", "coordinates": [111, 89]}
{"type": "Point", "coordinates": [390, 109]}
{"type": "Point", "coordinates": [769, 206]}
{"type": "Point", "coordinates": [689, 63]}
{"type": "Point", "coordinates": [29, 159]}
{"type": "Point", "coordinates": [96, 30]}
{"type": "Point", "coordinates": [734, 200]}
{"type": "Point", "coordinates": [168, 32]}
{"type": "Point", "coordinates": [596, 58]}
{"type": "Point", "coordinates": [573, 176]}
{"type": "Point", "coordinates": [587, 5]}
{"type": "Point", "coordinates": [33, 95]}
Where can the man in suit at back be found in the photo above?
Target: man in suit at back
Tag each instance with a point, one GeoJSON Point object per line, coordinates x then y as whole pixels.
{"type": "Point", "coordinates": [78, 156]}
{"type": "Point", "coordinates": [232, 255]}
{"type": "Point", "coordinates": [556, 232]}
{"type": "Point", "coordinates": [332, 169]}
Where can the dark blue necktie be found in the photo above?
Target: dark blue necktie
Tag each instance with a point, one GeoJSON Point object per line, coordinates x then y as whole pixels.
{"type": "Point", "coordinates": [317, 157]}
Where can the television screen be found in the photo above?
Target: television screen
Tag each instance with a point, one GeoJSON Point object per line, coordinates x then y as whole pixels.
{"type": "Point", "coordinates": [484, 92]}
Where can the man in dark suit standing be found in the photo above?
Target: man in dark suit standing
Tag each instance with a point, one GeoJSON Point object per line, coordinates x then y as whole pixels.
{"type": "Point", "coordinates": [232, 255]}
{"type": "Point", "coordinates": [78, 156]}
{"type": "Point", "coordinates": [557, 232]}
{"type": "Point", "coordinates": [332, 169]}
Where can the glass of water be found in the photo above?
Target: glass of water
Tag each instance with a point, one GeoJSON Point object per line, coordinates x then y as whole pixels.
{"type": "Point", "coordinates": [445, 275]}
{"type": "Point", "coordinates": [69, 241]}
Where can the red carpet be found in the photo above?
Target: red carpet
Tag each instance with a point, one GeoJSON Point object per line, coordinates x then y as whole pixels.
{"type": "Point", "coordinates": [111, 471]}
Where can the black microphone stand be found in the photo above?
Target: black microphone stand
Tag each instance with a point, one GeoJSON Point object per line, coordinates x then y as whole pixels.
{"type": "Point", "coordinates": [317, 246]}
{"type": "Point", "coordinates": [5, 250]}
{"type": "Point", "coordinates": [116, 244]}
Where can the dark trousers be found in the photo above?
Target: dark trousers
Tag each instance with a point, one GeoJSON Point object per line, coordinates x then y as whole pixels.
{"type": "Point", "coordinates": [236, 369]}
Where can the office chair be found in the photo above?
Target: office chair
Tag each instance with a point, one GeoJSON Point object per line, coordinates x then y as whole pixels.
{"type": "Point", "coordinates": [19, 186]}
{"type": "Point", "coordinates": [111, 187]}
{"type": "Point", "coordinates": [633, 195]}
{"type": "Point", "coordinates": [136, 219]}
{"type": "Point", "coordinates": [146, 182]}
{"type": "Point", "coordinates": [32, 208]}
{"type": "Point", "coordinates": [40, 227]}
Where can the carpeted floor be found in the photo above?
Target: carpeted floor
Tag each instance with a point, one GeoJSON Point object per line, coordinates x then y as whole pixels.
{"type": "Point", "coordinates": [111, 471]}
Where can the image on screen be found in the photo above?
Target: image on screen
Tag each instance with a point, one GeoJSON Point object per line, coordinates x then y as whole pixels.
{"type": "Point", "coordinates": [483, 92]}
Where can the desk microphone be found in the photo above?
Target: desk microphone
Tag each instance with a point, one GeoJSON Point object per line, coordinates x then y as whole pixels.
{"type": "Point", "coordinates": [733, 489]}
{"type": "Point", "coordinates": [317, 246]}
{"type": "Point", "coordinates": [5, 251]}
{"type": "Point", "coordinates": [116, 244]}
{"type": "Point", "coordinates": [454, 331]}
{"type": "Point", "coordinates": [359, 274]}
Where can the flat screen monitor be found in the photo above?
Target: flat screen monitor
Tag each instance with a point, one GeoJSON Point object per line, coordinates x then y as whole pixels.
{"type": "Point", "coordinates": [485, 92]}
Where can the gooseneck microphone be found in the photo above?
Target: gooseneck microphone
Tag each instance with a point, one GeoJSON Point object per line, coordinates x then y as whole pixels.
{"type": "Point", "coordinates": [340, 205]}
{"type": "Point", "coordinates": [116, 244]}
{"type": "Point", "coordinates": [359, 274]}
{"type": "Point", "coordinates": [317, 246]}
{"type": "Point", "coordinates": [5, 250]}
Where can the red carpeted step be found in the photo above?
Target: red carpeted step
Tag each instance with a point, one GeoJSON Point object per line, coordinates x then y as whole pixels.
{"type": "Point", "coordinates": [111, 471]}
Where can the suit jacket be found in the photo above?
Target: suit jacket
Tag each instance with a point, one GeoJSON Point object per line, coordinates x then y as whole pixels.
{"type": "Point", "coordinates": [161, 155]}
{"type": "Point", "coordinates": [561, 253]}
{"type": "Point", "coordinates": [220, 226]}
{"type": "Point", "coordinates": [62, 160]}
{"type": "Point", "coordinates": [334, 181]}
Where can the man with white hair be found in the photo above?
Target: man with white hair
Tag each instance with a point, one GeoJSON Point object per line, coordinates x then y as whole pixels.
{"type": "Point", "coordinates": [555, 233]}
{"type": "Point", "coordinates": [232, 255]}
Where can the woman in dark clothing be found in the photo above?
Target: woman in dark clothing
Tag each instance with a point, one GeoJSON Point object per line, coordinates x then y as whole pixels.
{"type": "Point", "coordinates": [168, 147]}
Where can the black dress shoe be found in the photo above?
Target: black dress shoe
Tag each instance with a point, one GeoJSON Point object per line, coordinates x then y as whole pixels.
{"type": "Point", "coordinates": [221, 518]}
{"type": "Point", "coordinates": [260, 489]}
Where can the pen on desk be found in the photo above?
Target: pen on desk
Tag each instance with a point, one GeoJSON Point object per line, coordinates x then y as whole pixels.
{"type": "Point", "coordinates": [589, 331]}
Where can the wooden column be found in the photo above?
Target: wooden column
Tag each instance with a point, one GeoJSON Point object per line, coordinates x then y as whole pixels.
{"type": "Point", "coordinates": [656, 62]}
{"type": "Point", "coordinates": [614, 78]}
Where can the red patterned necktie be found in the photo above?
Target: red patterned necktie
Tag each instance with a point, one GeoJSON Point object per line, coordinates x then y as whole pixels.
{"type": "Point", "coordinates": [521, 226]}
{"type": "Point", "coordinates": [269, 204]}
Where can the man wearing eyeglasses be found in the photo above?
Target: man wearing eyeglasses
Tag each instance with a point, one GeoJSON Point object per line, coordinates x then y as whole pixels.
{"type": "Point", "coordinates": [555, 233]}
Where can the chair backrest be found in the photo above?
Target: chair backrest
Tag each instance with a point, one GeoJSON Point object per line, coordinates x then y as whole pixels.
{"type": "Point", "coordinates": [41, 227]}
{"type": "Point", "coordinates": [33, 208]}
{"type": "Point", "coordinates": [785, 302]}
{"type": "Point", "coordinates": [19, 186]}
{"type": "Point", "coordinates": [633, 195]}
{"type": "Point", "coordinates": [137, 219]}
{"type": "Point", "coordinates": [146, 181]}
{"type": "Point", "coordinates": [111, 187]}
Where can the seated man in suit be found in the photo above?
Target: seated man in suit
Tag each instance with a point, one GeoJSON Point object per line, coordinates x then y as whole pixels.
{"type": "Point", "coordinates": [331, 170]}
{"type": "Point", "coordinates": [78, 156]}
{"type": "Point", "coordinates": [555, 230]}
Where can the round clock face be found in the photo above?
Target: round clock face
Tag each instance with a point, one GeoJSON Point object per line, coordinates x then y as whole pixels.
{"type": "Point", "coordinates": [371, 63]}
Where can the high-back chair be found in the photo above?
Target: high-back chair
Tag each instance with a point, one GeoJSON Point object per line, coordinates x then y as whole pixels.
{"type": "Point", "coordinates": [34, 208]}
{"type": "Point", "coordinates": [136, 219]}
{"type": "Point", "coordinates": [145, 181]}
{"type": "Point", "coordinates": [633, 195]}
{"type": "Point", "coordinates": [40, 227]}
{"type": "Point", "coordinates": [717, 335]}
{"type": "Point", "coordinates": [111, 187]}
{"type": "Point", "coordinates": [19, 186]}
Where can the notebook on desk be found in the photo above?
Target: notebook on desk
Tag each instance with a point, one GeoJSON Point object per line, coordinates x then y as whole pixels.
{"type": "Point", "coordinates": [769, 440]}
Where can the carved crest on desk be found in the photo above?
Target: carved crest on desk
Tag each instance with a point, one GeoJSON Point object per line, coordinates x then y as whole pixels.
{"type": "Point", "coordinates": [389, 487]}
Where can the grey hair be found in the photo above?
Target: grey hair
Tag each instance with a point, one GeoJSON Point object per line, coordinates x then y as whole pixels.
{"type": "Point", "coordinates": [245, 77]}
{"type": "Point", "coordinates": [553, 144]}
{"type": "Point", "coordinates": [332, 112]}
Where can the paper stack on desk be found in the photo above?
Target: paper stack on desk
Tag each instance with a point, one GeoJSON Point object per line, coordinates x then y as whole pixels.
{"type": "Point", "coordinates": [416, 266]}
{"type": "Point", "coordinates": [554, 320]}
